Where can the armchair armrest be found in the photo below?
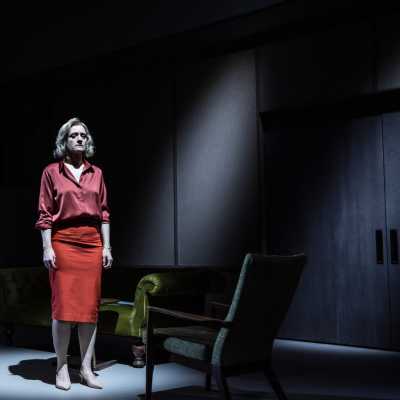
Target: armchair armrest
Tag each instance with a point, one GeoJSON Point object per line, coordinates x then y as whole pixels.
{"type": "Point", "coordinates": [219, 304]}
{"type": "Point", "coordinates": [200, 319]}
{"type": "Point", "coordinates": [164, 284]}
{"type": "Point", "coordinates": [216, 309]}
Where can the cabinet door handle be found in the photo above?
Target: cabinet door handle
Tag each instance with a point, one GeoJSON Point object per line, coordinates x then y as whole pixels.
{"type": "Point", "coordinates": [394, 248]}
{"type": "Point", "coordinates": [379, 246]}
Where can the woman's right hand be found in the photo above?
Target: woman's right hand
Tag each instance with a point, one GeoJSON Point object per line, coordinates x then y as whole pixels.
{"type": "Point", "coordinates": [49, 258]}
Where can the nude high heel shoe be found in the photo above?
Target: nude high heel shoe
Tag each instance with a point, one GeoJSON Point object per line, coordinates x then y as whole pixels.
{"type": "Point", "coordinates": [62, 379]}
{"type": "Point", "coordinates": [89, 379]}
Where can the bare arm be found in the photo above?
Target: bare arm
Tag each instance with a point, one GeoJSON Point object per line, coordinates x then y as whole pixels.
{"type": "Point", "coordinates": [49, 257]}
{"type": "Point", "coordinates": [105, 234]}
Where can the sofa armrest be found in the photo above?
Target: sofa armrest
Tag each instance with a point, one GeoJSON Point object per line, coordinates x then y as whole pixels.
{"type": "Point", "coordinates": [173, 282]}
{"type": "Point", "coordinates": [23, 286]}
{"type": "Point", "coordinates": [25, 296]}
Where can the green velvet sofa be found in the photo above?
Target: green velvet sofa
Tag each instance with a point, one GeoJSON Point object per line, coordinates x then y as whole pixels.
{"type": "Point", "coordinates": [25, 297]}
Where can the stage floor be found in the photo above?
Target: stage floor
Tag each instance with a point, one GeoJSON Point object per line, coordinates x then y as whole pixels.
{"type": "Point", "coordinates": [303, 368]}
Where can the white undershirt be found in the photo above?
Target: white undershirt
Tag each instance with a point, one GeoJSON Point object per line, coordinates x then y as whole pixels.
{"type": "Point", "coordinates": [76, 172]}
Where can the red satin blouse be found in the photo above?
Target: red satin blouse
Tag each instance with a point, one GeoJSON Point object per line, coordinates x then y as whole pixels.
{"type": "Point", "coordinates": [62, 199]}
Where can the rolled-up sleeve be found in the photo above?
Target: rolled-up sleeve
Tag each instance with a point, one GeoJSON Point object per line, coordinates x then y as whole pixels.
{"type": "Point", "coordinates": [46, 202]}
{"type": "Point", "coordinates": [105, 210]}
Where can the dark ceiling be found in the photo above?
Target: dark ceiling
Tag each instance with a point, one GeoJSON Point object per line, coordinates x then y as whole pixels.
{"type": "Point", "coordinates": [39, 35]}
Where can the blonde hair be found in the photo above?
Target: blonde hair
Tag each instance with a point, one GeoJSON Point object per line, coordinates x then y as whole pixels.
{"type": "Point", "coordinates": [60, 148]}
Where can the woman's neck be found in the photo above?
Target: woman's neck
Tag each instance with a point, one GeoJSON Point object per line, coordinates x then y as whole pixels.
{"type": "Point", "coordinates": [75, 159]}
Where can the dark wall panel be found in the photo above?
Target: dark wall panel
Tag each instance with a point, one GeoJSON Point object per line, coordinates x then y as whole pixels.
{"type": "Point", "coordinates": [129, 113]}
{"type": "Point", "coordinates": [316, 67]}
{"type": "Point", "coordinates": [391, 127]}
{"type": "Point", "coordinates": [135, 134]}
{"type": "Point", "coordinates": [24, 151]}
{"type": "Point", "coordinates": [326, 198]}
{"type": "Point", "coordinates": [217, 187]}
{"type": "Point", "coordinates": [389, 53]}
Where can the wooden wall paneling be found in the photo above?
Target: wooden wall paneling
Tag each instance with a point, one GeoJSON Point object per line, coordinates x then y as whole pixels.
{"type": "Point", "coordinates": [294, 213]}
{"type": "Point", "coordinates": [391, 127]}
{"type": "Point", "coordinates": [315, 67]}
{"type": "Point", "coordinates": [217, 183]}
{"type": "Point", "coordinates": [326, 198]}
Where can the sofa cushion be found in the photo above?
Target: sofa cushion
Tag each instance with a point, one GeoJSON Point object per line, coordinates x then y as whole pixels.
{"type": "Point", "coordinates": [34, 313]}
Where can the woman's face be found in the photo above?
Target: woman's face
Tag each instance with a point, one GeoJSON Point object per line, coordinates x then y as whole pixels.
{"type": "Point", "coordinates": [76, 140]}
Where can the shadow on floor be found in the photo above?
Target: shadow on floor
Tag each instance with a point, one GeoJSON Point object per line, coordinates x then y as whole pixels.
{"type": "Point", "coordinates": [199, 393]}
{"type": "Point", "coordinates": [39, 370]}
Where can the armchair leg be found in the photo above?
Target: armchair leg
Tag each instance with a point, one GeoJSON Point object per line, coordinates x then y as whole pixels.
{"type": "Point", "coordinates": [149, 379]}
{"type": "Point", "coordinates": [149, 359]}
{"type": "Point", "coordinates": [9, 333]}
{"type": "Point", "coordinates": [221, 383]}
{"type": "Point", "coordinates": [274, 381]}
{"type": "Point", "coordinates": [208, 381]}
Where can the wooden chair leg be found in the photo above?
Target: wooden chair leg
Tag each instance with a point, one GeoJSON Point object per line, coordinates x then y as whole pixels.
{"type": "Point", "coordinates": [222, 385]}
{"type": "Point", "coordinates": [149, 359]}
{"type": "Point", "coordinates": [149, 379]}
{"type": "Point", "coordinates": [274, 381]}
{"type": "Point", "coordinates": [208, 381]}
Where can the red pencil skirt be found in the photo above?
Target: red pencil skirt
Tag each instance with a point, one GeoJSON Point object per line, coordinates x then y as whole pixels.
{"type": "Point", "coordinates": [76, 282]}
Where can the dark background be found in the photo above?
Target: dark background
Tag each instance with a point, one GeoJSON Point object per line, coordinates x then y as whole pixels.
{"type": "Point", "coordinates": [222, 128]}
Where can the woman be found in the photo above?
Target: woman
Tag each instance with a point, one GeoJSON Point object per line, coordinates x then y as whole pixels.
{"type": "Point", "coordinates": [74, 222]}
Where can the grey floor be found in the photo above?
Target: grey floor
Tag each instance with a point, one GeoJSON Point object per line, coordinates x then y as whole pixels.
{"type": "Point", "coordinates": [303, 368]}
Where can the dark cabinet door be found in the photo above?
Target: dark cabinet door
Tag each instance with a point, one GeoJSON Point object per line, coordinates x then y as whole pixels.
{"type": "Point", "coordinates": [325, 191]}
{"type": "Point", "coordinates": [391, 135]}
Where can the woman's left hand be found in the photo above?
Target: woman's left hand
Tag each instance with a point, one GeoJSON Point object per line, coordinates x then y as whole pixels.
{"type": "Point", "coordinates": [107, 258]}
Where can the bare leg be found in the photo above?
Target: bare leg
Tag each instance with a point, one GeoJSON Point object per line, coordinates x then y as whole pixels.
{"type": "Point", "coordinates": [61, 335]}
{"type": "Point", "coordinates": [87, 338]}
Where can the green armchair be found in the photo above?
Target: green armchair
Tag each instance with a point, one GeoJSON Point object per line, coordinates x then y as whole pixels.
{"type": "Point", "coordinates": [243, 340]}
